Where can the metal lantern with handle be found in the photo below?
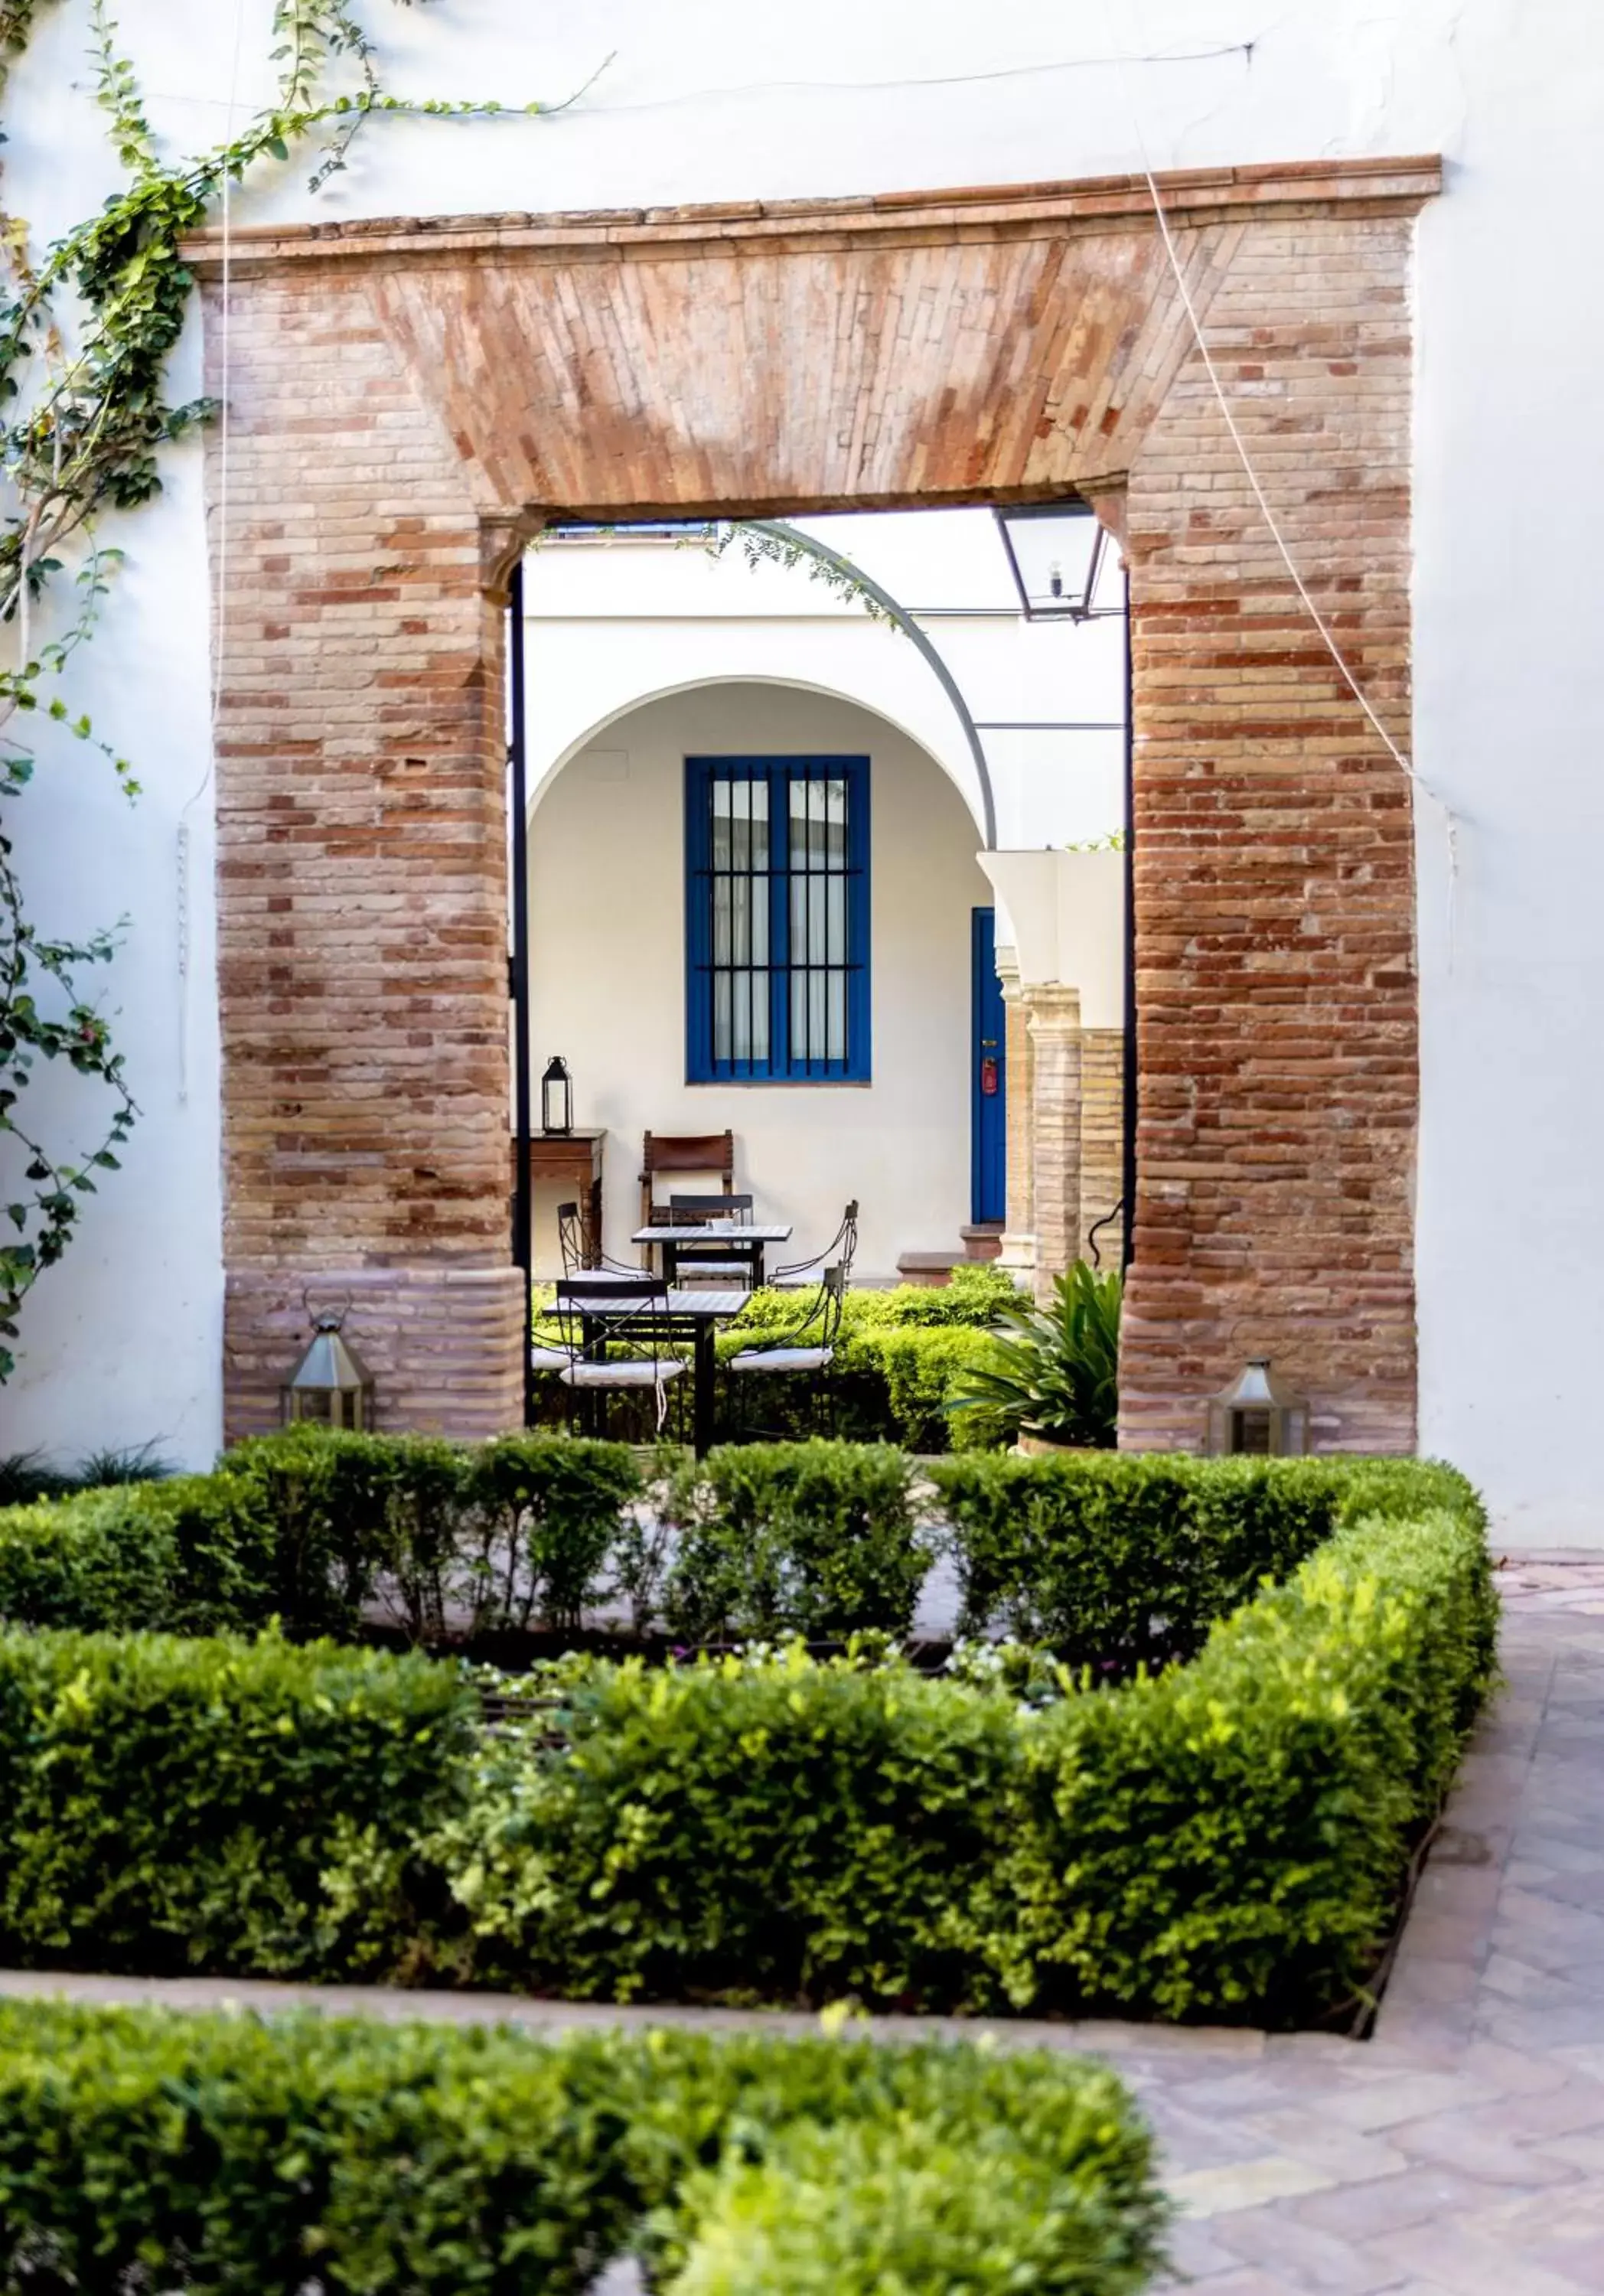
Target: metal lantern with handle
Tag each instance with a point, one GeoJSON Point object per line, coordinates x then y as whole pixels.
{"type": "Point", "coordinates": [331, 1386]}
{"type": "Point", "coordinates": [556, 1098]}
{"type": "Point", "coordinates": [1056, 554]}
{"type": "Point", "coordinates": [1259, 1414]}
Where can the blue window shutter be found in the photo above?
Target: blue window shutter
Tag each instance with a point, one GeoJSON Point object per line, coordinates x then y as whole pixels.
{"type": "Point", "coordinates": [698, 978]}
{"type": "Point", "coordinates": [783, 1061]}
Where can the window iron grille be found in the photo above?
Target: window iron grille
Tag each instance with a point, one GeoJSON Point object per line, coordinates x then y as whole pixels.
{"type": "Point", "coordinates": [777, 942]}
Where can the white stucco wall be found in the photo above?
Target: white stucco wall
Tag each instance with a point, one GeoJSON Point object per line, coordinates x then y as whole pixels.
{"type": "Point", "coordinates": [121, 1344]}
{"type": "Point", "coordinates": [610, 622]}
{"type": "Point", "coordinates": [607, 976]}
{"type": "Point", "coordinates": [713, 99]}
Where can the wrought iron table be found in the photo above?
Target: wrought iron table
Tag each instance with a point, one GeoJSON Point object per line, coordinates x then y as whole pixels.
{"type": "Point", "coordinates": [693, 1315]}
{"type": "Point", "coordinates": [734, 1240]}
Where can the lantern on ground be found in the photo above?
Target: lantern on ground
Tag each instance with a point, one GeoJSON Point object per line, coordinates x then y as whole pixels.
{"type": "Point", "coordinates": [1258, 1413]}
{"type": "Point", "coordinates": [331, 1386]}
{"type": "Point", "coordinates": [556, 1098]}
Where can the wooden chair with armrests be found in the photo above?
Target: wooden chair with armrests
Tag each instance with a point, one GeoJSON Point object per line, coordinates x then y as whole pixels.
{"type": "Point", "coordinates": [698, 1153]}
{"type": "Point", "coordinates": [701, 1154]}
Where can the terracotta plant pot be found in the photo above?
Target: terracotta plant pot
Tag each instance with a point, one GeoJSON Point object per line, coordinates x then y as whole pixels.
{"type": "Point", "coordinates": [1033, 1445]}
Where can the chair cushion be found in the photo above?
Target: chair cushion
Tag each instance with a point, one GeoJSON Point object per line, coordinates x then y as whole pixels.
{"type": "Point", "coordinates": [550, 1358]}
{"type": "Point", "coordinates": [621, 1375]}
{"type": "Point", "coordinates": [782, 1359]}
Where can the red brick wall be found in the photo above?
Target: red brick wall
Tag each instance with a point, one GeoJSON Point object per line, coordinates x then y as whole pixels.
{"type": "Point", "coordinates": [363, 964]}
{"type": "Point", "coordinates": [402, 395]}
{"type": "Point", "coordinates": [1274, 862]}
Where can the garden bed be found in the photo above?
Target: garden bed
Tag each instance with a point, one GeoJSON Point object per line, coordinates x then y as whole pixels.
{"type": "Point", "coordinates": [901, 1356]}
{"type": "Point", "coordinates": [1224, 1839]}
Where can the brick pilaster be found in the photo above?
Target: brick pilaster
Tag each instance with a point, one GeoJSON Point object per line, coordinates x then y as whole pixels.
{"type": "Point", "coordinates": [1102, 1142]}
{"type": "Point", "coordinates": [1055, 1043]}
{"type": "Point", "coordinates": [361, 875]}
{"type": "Point", "coordinates": [1018, 1235]}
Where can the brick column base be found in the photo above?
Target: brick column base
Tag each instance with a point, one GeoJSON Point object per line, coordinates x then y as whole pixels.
{"type": "Point", "coordinates": [1018, 1251]}
{"type": "Point", "coordinates": [1055, 1043]}
{"type": "Point", "coordinates": [441, 1342]}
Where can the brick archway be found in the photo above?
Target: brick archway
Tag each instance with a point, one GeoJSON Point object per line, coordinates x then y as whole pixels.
{"type": "Point", "coordinates": [408, 399]}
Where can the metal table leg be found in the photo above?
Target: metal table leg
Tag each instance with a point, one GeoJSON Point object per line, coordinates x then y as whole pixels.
{"type": "Point", "coordinates": [704, 1372]}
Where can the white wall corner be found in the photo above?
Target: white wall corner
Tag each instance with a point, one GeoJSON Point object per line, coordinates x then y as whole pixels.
{"type": "Point", "coordinates": [1065, 914]}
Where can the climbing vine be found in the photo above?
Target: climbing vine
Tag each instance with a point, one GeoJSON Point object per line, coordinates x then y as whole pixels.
{"type": "Point", "coordinates": [87, 417]}
{"type": "Point", "coordinates": [760, 548]}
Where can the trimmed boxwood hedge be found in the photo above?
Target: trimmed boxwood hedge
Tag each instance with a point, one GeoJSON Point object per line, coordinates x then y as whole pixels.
{"type": "Point", "coordinates": [1106, 1560]}
{"type": "Point", "coordinates": [139, 2150]}
{"type": "Point", "coordinates": [1110, 1559]}
{"type": "Point", "coordinates": [813, 1538]}
{"type": "Point", "coordinates": [1227, 1838]}
{"type": "Point", "coordinates": [168, 1804]}
{"type": "Point", "coordinates": [306, 1527]}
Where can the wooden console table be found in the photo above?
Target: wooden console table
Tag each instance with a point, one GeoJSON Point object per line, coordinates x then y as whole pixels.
{"type": "Point", "coordinates": [575, 1157]}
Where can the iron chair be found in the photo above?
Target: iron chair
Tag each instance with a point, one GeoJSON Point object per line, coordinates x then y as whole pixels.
{"type": "Point", "coordinates": [840, 1251]}
{"type": "Point", "coordinates": [572, 1243]}
{"type": "Point", "coordinates": [542, 1355]}
{"type": "Point", "coordinates": [807, 1348]}
{"type": "Point", "coordinates": [716, 1261]}
{"type": "Point", "coordinates": [597, 1311]}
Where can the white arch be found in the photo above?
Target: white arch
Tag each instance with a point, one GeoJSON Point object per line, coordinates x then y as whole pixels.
{"type": "Point", "coordinates": [956, 770]}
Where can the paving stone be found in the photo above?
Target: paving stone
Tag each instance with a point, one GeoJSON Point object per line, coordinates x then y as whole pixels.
{"type": "Point", "coordinates": [1539, 2031]}
{"type": "Point", "coordinates": [1345, 2153]}
{"type": "Point", "coordinates": [1249, 2281]}
{"type": "Point", "coordinates": [1361, 2212]}
{"type": "Point", "coordinates": [1584, 2152]}
{"type": "Point", "coordinates": [1195, 2251]}
{"type": "Point", "coordinates": [1193, 2141]}
{"type": "Point", "coordinates": [1443, 2256]}
{"type": "Point", "coordinates": [1520, 2074]}
{"type": "Point", "coordinates": [1449, 2141]}
{"type": "Point", "coordinates": [1247, 2184]}
{"type": "Point", "coordinates": [1276, 2243]}
{"type": "Point", "coordinates": [1410, 2096]}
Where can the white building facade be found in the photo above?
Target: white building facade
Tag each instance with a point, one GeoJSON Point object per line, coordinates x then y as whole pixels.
{"type": "Point", "coordinates": [716, 103]}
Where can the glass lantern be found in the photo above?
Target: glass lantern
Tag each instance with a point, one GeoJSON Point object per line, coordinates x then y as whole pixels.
{"type": "Point", "coordinates": [556, 1098]}
{"type": "Point", "coordinates": [331, 1386]}
{"type": "Point", "coordinates": [1258, 1414]}
{"type": "Point", "coordinates": [1055, 553]}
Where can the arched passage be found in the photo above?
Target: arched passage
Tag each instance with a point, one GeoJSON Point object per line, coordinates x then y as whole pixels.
{"type": "Point", "coordinates": [1007, 345]}
{"type": "Point", "coordinates": [612, 972]}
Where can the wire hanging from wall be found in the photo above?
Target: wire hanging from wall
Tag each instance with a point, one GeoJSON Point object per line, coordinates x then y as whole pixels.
{"type": "Point", "coordinates": [185, 841]}
{"type": "Point", "coordinates": [1327, 636]}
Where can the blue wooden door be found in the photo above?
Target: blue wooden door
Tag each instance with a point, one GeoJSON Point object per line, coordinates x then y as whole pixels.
{"type": "Point", "coordinates": [988, 1075]}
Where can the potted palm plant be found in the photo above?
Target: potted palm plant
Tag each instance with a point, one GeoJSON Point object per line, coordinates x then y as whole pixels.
{"type": "Point", "coordinates": [1051, 1379]}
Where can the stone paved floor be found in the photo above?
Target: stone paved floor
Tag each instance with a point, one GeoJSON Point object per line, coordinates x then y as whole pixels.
{"type": "Point", "coordinates": [1460, 2152]}
{"type": "Point", "coordinates": [1462, 2149]}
